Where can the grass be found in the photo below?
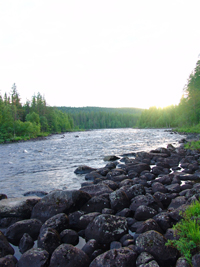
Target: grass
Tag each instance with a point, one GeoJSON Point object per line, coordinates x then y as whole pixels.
{"type": "Point", "coordinates": [188, 232]}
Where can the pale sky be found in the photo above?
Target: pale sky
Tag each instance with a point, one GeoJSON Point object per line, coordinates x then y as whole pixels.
{"type": "Point", "coordinates": [107, 53]}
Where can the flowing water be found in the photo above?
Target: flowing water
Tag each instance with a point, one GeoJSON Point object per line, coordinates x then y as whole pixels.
{"type": "Point", "coordinates": [49, 164]}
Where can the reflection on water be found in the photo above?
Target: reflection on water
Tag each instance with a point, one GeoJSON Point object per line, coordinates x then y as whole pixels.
{"type": "Point", "coordinates": [50, 164]}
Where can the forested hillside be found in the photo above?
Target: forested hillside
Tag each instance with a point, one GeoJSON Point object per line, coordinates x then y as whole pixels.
{"type": "Point", "coordinates": [97, 118]}
{"type": "Point", "coordinates": [31, 120]}
{"type": "Point", "coordinates": [186, 114]}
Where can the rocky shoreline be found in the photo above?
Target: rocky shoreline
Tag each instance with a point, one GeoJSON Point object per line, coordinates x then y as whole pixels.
{"type": "Point", "coordinates": [125, 212]}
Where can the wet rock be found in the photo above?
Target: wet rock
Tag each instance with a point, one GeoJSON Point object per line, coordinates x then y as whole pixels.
{"type": "Point", "coordinates": [154, 243]}
{"type": "Point", "coordinates": [166, 179]}
{"type": "Point", "coordinates": [115, 172]}
{"type": "Point", "coordinates": [123, 257]}
{"type": "Point", "coordinates": [144, 212]}
{"type": "Point", "coordinates": [49, 240]}
{"type": "Point", "coordinates": [159, 170]}
{"type": "Point", "coordinates": [74, 218]}
{"type": "Point", "coordinates": [119, 178]}
{"type": "Point", "coordinates": [90, 247]}
{"type": "Point", "coordinates": [126, 212]}
{"type": "Point", "coordinates": [60, 201]}
{"type": "Point", "coordinates": [187, 176]}
{"type": "Point", "coordinates": [144, 258]}
{"type": "Point", "coordinates": [96, 204]}
{"type": "Point", "coordinates": [163, 221]}
{"type": "Point", "coordinates": [148, 225]}
{"type": "Point", "coordinates": [106, 228]}
{"type": "Point", "coordinates": [35, 193]}
{"type": "Point", "coordinates": [83, 169]}
{"type": "Point", "coordinates": [68, 255]}
{"type": "Point", "coordinates": [25, 243]}
{"type": "Point", "coordinates": [93, 175]}
{"type": "Point", "coordinates": [96, 190]}
{"type": "Point", "coordinates": [59, 222]}
{"type": "Point", "coordinates": [177, 202]}
{"type": "Point", "coordinates": [172, 161]}
{"type": "Point", "coordinates": [5, 247]}
{"type": "Point", "coordinates": [15, 232]}
{"type": "Point", "coordinates": [158, 187]}
{"type": "Point", "coordinates": [69, 236]}
{"type": "Point", "coordinates": [17, 207]}
{"type": "Point", "coordinates": [182, 262]}
{"type": "Point", "coordinates": [137, 201]}
{"type": "Point", "coordinates": [8, 260]}
{"type": "Point", "coordinates": [196, 260]}
{"type": "Point", "coordinates": [135, 190]}
{"type": "Point", "coordinates": [110, 158]}
{"type": "Point", "coordinates": [138, 168]}
{"type": "Point", "coordinates": [3, 196]}
{"type": "Point", "coordinates": [34, 257]}
{"type": "Point", "coordinates": [173, 188]}
{"type": "Point", "coordinates": [115, 245]}
{"type": "Point", "coordinates": [163, 198]}
{"type": "Point", "coordinates": [110, 183]}
{"type": "Point", "coordinates": [118, 200]}
{"type": "Point", "coordinates": [85, 219]}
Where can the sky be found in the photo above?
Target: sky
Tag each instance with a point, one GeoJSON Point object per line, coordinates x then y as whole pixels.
{"type": "Point", "coordinates": [108, 53]}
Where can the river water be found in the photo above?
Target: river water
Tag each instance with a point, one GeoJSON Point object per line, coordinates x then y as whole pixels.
{"type": "Point", "coordinates": [49, 164]}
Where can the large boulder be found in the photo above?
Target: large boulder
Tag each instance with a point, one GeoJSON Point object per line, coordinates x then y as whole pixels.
{"type": "Point", "coordinates": [59, 222]}
{"type": "Point", "coordinates": [118, 200]}
{"type": "Point", "coordinates": [17, 207]}
{"type": "Point", "coordinates": [154, 243]}
{"type": "Point", "coordinates": [5, 247]}
{"type": "Point", "coordinates": [34, 257]}
{"type": "Point", "coordinates": [15, 232]}
{"type": "Point", "coordinates": [60, 201]}
{"type": "Point", "coordinates": [123, 257]}
{"type": "Point", "coordinates": [106, 228]}
{"type": "Point", "coordinates": [97, 189]}
{"type": "Point", "coordinates": [69, 256]}
{"type": "Point", "coordinates": [83, 169]}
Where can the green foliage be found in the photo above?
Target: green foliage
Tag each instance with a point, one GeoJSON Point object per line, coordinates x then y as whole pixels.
{"type": "Point", "coordinates": [194, 145]}
{"type": "Point", "coordinates": [35, 118]}
{"type": "Point", "coordinates": [188, 232]}
{"type": "Point", "coordinates": [99, 118]}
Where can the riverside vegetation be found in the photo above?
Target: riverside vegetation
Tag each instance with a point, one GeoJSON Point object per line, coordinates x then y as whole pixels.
{"type": "Point", "coordinates": [35, 118]}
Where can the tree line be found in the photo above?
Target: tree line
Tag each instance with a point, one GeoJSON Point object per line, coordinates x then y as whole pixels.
{"type": "Point", "coordinates": [186, 114]}
{"type": "Point", "coordinates": [100, 118]}
{"type": "Point", "coordinates": [34, 118]}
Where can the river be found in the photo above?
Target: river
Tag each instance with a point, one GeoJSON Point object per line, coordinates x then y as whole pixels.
{"type": "Point", "coordinates": [49, 164]}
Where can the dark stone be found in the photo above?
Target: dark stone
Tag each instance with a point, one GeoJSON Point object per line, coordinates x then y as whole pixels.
{"type": "Point", "coordinates": [74, 218]}
{"type": "Point", "coordinates": [123, 257]}
{"type": "Point", "coordinates": [144, 212]}
{"type": "Point", "coordinates": [126, 182]}
{"type": "Point", "coordinates": [144, 258]}
{"type": "Point", "coordinates": [182, 262]}
{"type": "Point", "coordinates": [119, 178]}
{"type": "Point", "coordinates": [163, 220]}
{"type": "Point", "coordinates": [59, 201]}
{"type": "Point", "coordinates": [135, 226]}
{"type": "Point", "coordinates": [5, 247]}
{"type": "Point", "coordinates": [115, 245]}
{"type": "Point", "coordinates": [96, 204]}
{"type": "Point", "coordinates": [186, 177]}
{"type": "Point", "coordinates": [118, 200]}
{"type": "Point", "coordinates": [137, 201]}
{"type": "Point", "coordinates": [177, 202]}
{"type": "Point", "coordinates": [69, 236]}
{"type": "Point", "coordinates": [158, 187]}
{"type": "Point", "coordinates": [110, 158]}
{"type": "Point", "coordinates": [85, 219]}
{"type": "Point", "coordinates": [159, 170]}
{"type": "Point", "coordinates": [135, 190]}
{"type": "Point", "coordinates": [17, 207]}
{"type": "Point", "coordinates": [138, 168]}
{"type": "Point", "coordinates": [173, 188]}
{"type": "Point", "coordinates": [96, 190]}
{"type": "Point", "coordinates": [49, 240]}
{"type": "Point", "coordinates": [196, 260]}
{"type": "Point", "coordinates": [115, 172]}
{"type": "Point", "coordinates": [166, 179]}
{"type": "Point", "coordinates": [154, 243]}
{"type": "Point", "coordinates": [107, 211]}
{"type": "Point", "coordinates": [148, 225]}
{"type": "Point", "coordinates": [6, 222]}
{"type": "Point", "coordinates": [15, 232]}
{"type": "Point", "coordinates": [68, 255]}
{"type": "Point", "coordinates": [34, 257]}
{"type": "Point", "coordinates": [90, 247]}
{"type": "Point", "coordinates": [125, 237]}
{"type": "Point", "coordinates": [172, 161]}
{"type": "Point", "coordinates": [163, 198]}
{"type": "Point", "coordinates": [35, 193]}
{"type": "Point", "coordinates": [59, 222]}
{"type": "Point", "coordinates": [106, 228]}
{"type": "Point", "coordinates": [84, 169]}
{"type": "Point", "coordinates": [93, 175]}
{"type": "Point", "coordinates": [3, 196]}
{"type": "Point", "coordinates": [110, 183]}
{"type": "Point", "coordinates": [9, 261]}
{"type": "Point", "coordinates": [25, 243]}
{"type": "Point", "coordinates": [176, 214]}
{"type": "Point", "coordinates": [126, 212]}
{"type": "Point", "coordinates": [171, 234]}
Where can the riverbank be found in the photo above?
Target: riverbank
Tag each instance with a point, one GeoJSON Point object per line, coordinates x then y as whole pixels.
{"type": "Point", "coordinates": [125, 212]}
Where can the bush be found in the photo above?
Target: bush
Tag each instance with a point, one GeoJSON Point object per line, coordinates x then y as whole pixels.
{"type": "Point", "coordinates": [188, 232]}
